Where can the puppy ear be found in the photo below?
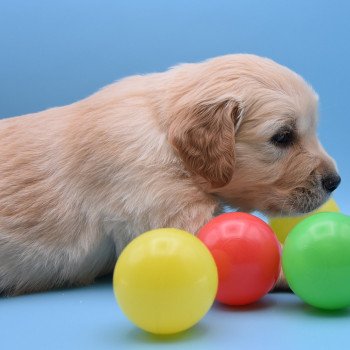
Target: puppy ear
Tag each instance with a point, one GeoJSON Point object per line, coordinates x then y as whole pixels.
{"type": "Point", "coordinates": [203, 136]}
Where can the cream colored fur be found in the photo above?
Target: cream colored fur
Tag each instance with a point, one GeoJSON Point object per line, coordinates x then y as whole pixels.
{"type": "Point", "coordinates": [78, 182]}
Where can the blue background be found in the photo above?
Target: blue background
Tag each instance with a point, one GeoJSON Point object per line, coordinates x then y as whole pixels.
{"type": "Point", "coordinates": [56, 52]}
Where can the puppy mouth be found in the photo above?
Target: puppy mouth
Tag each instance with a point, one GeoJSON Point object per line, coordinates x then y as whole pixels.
{"type": "Point", "coordinates": [302, 200]}
{"type": "Point", "coordinates": [307, 200]}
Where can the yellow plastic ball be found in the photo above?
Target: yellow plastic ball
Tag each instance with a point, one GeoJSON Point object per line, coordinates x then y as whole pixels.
{"type": "Point", "coordinates": [283, 225]}
{"type": "Point", "coordinates": [165, 281]}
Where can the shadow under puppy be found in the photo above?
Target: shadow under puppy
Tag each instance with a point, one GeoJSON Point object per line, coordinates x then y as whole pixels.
{"type": "Point", "coordinates": [78, 182]}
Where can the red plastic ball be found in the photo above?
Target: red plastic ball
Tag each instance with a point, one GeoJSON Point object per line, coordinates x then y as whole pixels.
{"type": "Point", "coordinates": [247, 254]}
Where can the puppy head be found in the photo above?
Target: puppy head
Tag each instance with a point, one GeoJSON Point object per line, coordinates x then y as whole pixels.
{"type": "Point", "coordinates": [247, 128]}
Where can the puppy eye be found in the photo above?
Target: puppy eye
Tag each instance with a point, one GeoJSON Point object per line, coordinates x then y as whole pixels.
{"type": "Point", "coordinates": [283, 138]}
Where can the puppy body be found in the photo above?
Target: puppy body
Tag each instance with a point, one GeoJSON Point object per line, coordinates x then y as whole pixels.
{"type": "Point", "coordinates": [77, 183]}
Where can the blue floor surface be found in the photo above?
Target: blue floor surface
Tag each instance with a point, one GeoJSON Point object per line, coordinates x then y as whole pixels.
{"type": "Point", "coordinates": [89, 318]}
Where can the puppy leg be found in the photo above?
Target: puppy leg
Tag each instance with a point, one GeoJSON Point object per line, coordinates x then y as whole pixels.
{"type": "Point", "coordinates": [282, 284]}
{"type": "Point", "coordinates": [190, 218]}
{"type": "Point", "coordinates": [27, 267]}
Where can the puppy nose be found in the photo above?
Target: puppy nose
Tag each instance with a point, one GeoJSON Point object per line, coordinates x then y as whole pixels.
{"type": "Point", "coordinates": [330, 182]}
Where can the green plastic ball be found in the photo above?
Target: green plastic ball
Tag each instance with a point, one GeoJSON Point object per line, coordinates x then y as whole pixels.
{"type": "Point", "coordinates": [316, 260]}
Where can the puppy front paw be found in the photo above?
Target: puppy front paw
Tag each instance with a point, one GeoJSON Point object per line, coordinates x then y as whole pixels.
{"type": "Point", "coordinates": [281, 284]}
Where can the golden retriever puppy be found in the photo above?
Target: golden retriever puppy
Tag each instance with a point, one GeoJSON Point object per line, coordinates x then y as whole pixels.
{"type": "Point", "coordinates": [78, 182]}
